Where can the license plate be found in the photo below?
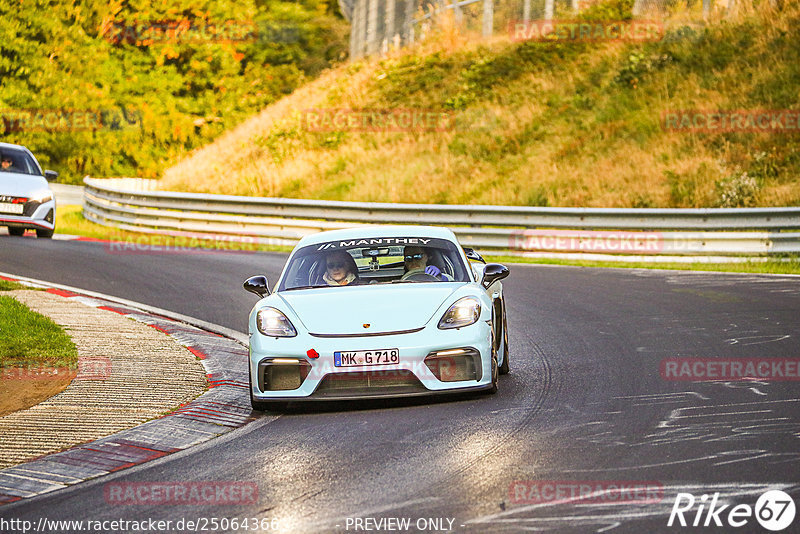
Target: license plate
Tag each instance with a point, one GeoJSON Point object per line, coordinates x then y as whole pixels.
{"type": "Point", "coordinates": [357, 358]}
{"type": "Point", "coordinates": [11, 208]}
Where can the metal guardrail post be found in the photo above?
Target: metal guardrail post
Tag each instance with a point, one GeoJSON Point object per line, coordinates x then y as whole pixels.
{"type": "Point", "coordinates": [548, 9]}
{"type": "Point", "coordinates": [488, 18]}
{"type": "Point", "coordinates": [409, 22]}
{"type": "Point", "coordinates": [391, 9]}
{"type": "Point", "coordinates": [354, 32]}
{"type": "Point", "coordinates": [373, 39]}
{"type": "Point", "coordinates": [361, 29]}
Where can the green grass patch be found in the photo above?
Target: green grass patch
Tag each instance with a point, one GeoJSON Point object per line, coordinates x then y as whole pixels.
{"type": "Point", "coordinates": [7, 285]}
{"type": "Point", "coordinates": [765, 267]}
{"type": "Point", "coordinates": [29, 338]}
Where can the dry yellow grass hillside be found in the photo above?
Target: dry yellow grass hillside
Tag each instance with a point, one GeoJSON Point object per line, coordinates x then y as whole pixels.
{"type": "Point", "coordinates": [530, 123]}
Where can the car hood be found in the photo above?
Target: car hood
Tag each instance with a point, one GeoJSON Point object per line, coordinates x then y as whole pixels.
{"type": "Point", "coordinates": [21, 185]}
{"type": "Point", "coordinates": [385, 308]}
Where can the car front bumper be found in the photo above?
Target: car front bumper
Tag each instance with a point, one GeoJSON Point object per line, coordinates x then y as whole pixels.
{"type": "Point", "coordinates": [450, 355]}
{"type": "Point", "coordinates": [36, 216]}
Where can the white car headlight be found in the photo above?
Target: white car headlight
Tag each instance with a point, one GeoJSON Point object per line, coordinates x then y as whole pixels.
{"type": "Point", "coordinates": [463, 312]}
{"type": "Point", "coordinates": [44, 196]}
{"type": "Point", "coordinates": [271, 322]}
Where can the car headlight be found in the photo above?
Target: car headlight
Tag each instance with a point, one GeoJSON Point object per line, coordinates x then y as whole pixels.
{"type": "Point", "coordinates": [463, 312]}
{"type": "Point", "coordinates": [272, 322]}
{"type": "Point", "coordinates": [45, 196]}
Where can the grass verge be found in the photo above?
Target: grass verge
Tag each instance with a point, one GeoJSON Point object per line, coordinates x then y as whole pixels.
{"type": "Point", "coordinates": [37, 358]}
{"type": "Point", "coordinates": [766, 267]}
{"type": "Point", "coordinates": [8, 285]}
{"type": "Point", "coordinates": [572, 123]}
{"type": "Point", "coordinates": [28, 338]}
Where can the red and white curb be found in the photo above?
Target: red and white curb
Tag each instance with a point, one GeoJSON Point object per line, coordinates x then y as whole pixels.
{"type": "Point", "coordinates": [224, 407]}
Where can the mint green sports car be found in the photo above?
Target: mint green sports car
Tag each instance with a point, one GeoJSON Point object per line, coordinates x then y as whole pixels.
{"type": "Point", "coordinates": [377, 311]}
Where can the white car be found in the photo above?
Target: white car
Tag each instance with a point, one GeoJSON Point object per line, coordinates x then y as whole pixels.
{"type": "Point", "coordinates": [377, 311]}
{"type": "Point", "coordinates": [26, 200]}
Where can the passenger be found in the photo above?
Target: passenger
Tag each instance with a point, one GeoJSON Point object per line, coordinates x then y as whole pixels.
{"type": "Point", "coordinates": [6, 163]}
{"type": "Point", "coordinates": [415, 261]}
{"type": "Point", "coordinates": [341, 269]}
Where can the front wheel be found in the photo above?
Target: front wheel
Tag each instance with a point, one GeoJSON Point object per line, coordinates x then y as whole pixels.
{"type": "Point", "coordinates": [263, 406]}
{"type": "Point", "coordinates": [505, 367]}
{"type": "Point", "coordinates": [267, 406]}
{"type": "Point", "coordinates": [44, 233]}
{"type": "Point", "coordinates": [493, 389]}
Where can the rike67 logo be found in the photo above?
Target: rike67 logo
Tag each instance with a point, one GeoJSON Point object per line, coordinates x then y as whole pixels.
{"type": "Point", "coordinates": [774, 510]}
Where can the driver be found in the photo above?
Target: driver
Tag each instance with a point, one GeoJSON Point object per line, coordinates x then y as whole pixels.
{"type": "Point", "coordinates": [415, 261]}
{"type": "Point", "coordinates": [340, 269]}
{"type": "Point", "coordinates": [6, 163]}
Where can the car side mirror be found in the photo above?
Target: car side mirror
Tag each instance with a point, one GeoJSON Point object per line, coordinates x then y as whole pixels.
{"type": "Point", "coordinates": [492, 273]}
{"type": "Point", "coordinates": [257, 285]}
{"type": "Point", "coordinates": [50, 176]}
{"type": "Point", "coordinates": [472, 255]}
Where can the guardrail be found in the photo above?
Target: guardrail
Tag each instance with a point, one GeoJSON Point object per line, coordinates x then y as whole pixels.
{"type": "Point", "coordinates": [133, 204]}
{"type": "Point", "coordinates": [67, 194]}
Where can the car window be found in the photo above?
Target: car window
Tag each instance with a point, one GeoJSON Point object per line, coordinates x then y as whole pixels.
{"type": "Point", "coordinates": [19, 161]}
{"type": "Point", "coordinates": [374, 261]}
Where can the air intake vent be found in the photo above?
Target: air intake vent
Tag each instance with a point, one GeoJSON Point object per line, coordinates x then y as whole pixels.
{"type": "Point", "coordinates": [378, 383]}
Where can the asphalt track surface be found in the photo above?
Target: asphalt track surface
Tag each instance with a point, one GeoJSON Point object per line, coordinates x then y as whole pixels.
{"type": "Point", "coordinates": [585, 401]}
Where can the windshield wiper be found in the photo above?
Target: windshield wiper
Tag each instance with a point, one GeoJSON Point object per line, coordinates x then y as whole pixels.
{"type": "Point", "coordinates": [300, 287]}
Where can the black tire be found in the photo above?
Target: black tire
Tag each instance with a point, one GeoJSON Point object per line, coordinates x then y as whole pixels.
{"type": "Point", "coordinates": [264, 406]}
{"type": "Point", "coordinates": [505, 366]}
{"type": "Point", "coordinates": [43, 233]}
{"type": "Point", "coordinates": [267, 406]}
{"type": "Point", "coordinates": [16, 232]}
{"type": "Point", "coordinates": [493, 389]}
{"type": "Point", "coordinates": [257, 405]}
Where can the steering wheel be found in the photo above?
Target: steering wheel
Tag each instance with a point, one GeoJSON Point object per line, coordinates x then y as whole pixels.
{"type": "Point", "coordinates": [421, 276]}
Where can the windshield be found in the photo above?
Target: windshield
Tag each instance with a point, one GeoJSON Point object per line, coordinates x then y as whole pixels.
{"type": "Point", "coordinates": [15, 160]}
{"type": "Point", "coordinates": [386, 260]}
